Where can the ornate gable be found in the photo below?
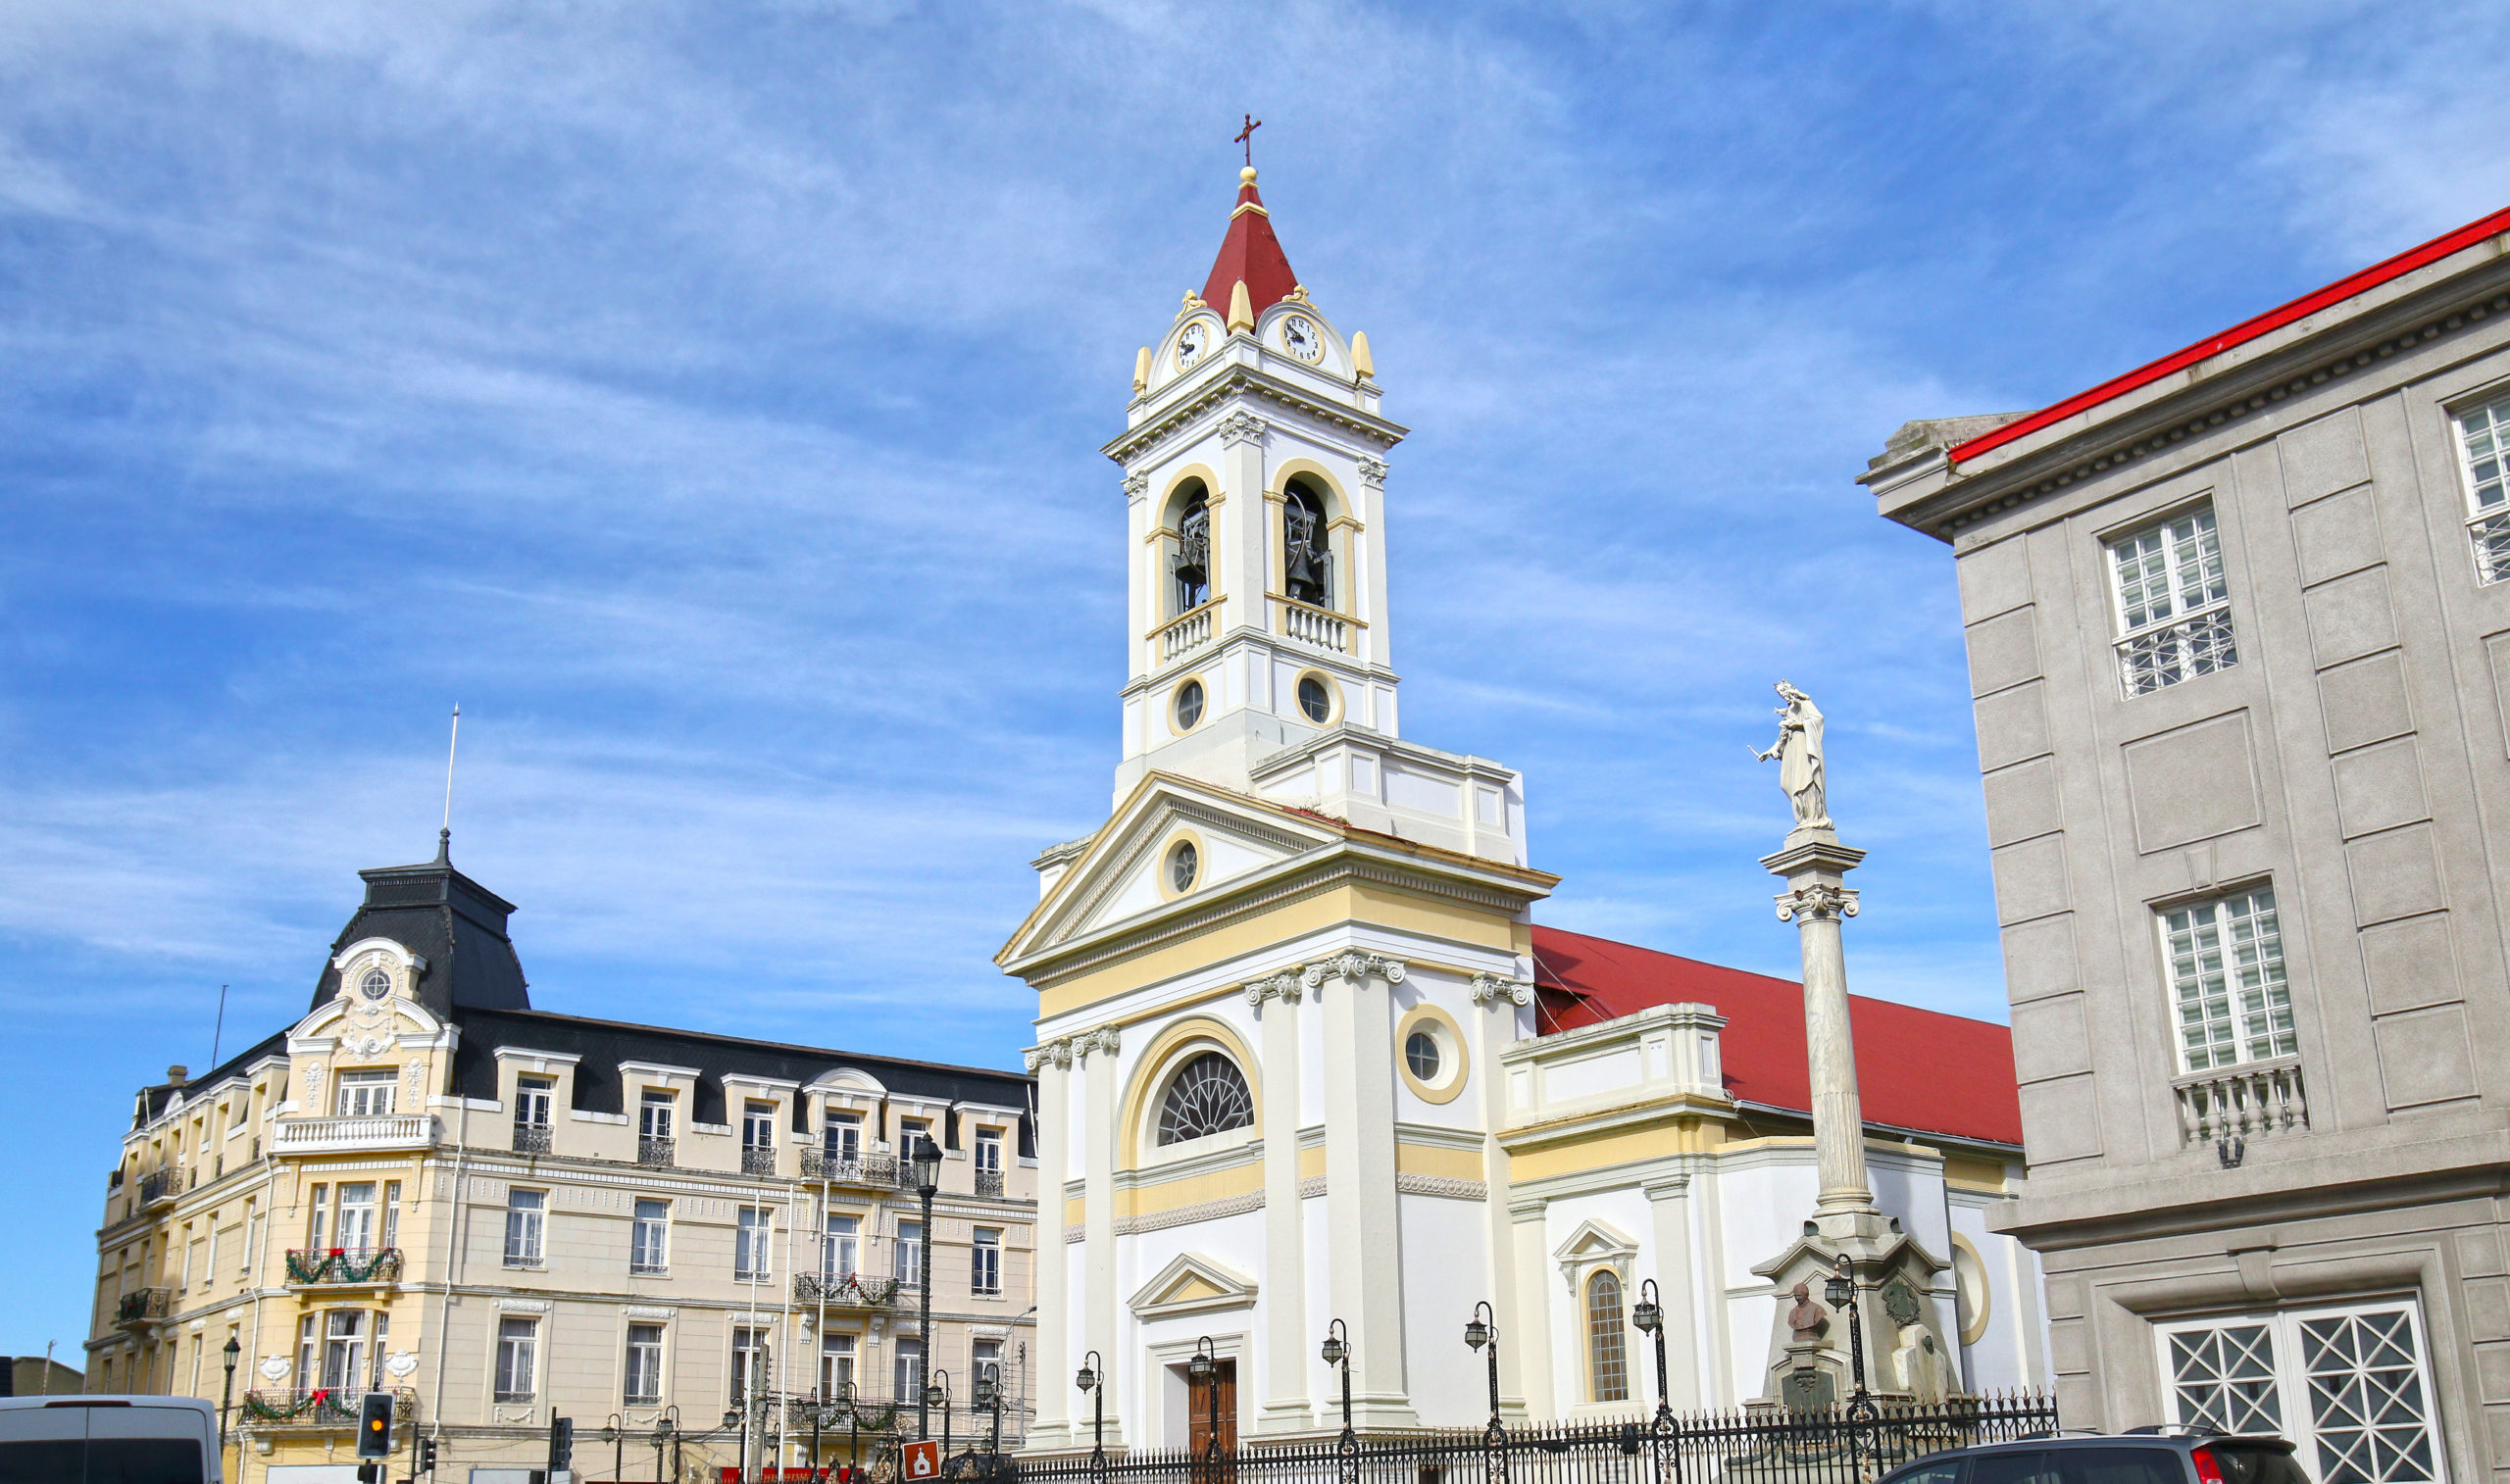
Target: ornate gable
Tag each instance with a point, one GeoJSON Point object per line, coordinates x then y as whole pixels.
{"type": "Point", "coordinates": [1192, 1284]}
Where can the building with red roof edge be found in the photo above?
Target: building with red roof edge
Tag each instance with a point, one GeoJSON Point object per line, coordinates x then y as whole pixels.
{"type": "Point", "coordinates": [1302, 1052]}
{"type": "Point", "coordinates": [2239, 628]}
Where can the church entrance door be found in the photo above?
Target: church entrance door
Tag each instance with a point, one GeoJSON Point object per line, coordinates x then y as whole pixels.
{"type": "Point", "coordinates": [1199, 1415]}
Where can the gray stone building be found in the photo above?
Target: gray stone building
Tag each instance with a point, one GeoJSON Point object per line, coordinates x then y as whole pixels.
{"type": "Point", "coordinates": [2239, 629]}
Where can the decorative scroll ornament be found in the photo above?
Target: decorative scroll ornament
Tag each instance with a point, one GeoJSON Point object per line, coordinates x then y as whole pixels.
{"type": "Point", "coordinates": [1285, 985]}
{"type": "Point", "coordinates": [313, 1082]}
{"type": "Point", "coordinates": [1820, 901]}
{"type": "Point", "coordinates": [1373, 473]}
{"type": "Point", "coordinates": [1136, 486]}
{"type": "Point", "coordinates": [1057, 1052]}
{"type": "Point", "coordinates": [1488, 987]}
{"type": "Point", "coordinates": [1353, 964]}
{"type": "Point", "coordinates": [1243, 427]}
{"type": "Point", "coordinates": [1104, 1038]}
{"type": "Point", "coordinates": [276, 1368]}
{"type": "Point", "coordinates": [402, 1363]}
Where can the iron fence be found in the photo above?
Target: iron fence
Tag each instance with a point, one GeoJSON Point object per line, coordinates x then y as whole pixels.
{"type": "Point", "coordinates": [1832, 1446]}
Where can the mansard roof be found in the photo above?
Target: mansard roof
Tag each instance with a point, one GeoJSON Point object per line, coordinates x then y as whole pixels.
{"type": "Point", "coordinates": [453, 922]}
{"type": "Point", "coordinates": [1916, 1069]}
{"type": "Point", "coordinates": [1252, 255]}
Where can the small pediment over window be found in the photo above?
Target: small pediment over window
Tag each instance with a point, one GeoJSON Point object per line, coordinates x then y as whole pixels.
{"type": "Point", "coordinates": [1193, 1284]}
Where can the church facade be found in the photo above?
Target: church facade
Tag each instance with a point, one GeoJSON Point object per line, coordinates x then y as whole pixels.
{"type": "Point", "coordinates": [1305, 1061]}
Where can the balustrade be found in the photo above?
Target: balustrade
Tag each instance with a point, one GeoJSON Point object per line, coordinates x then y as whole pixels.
{"type": "Point", "coordinates": [2258, 1100]}
{"type": "Point", "coordinates": [1316, 626]}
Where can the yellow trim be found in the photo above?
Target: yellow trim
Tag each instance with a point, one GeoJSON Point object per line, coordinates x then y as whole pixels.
{"type": "Point", "coordinates": [1975, 1172]}
{"type": "Point", "coordinates": [1970, 1332]}
{"type": "Point", "coordinates": [1180, 835]}
{"type": "Point", "coordinates": [1075, 1210]}
{"type": "Point", "coordinates": [1178, 690]}
{"type": "Point", "coordinates": [1162, 1057]}
{"type": "Point", "coordinates": [1652, 1139]}
{"type": "Point", "coordinates": [1176, 480]}
{"type": "Point", "coordinates": [1311, 1163]}
{"type": "Point", "coordinates": [1440, 1160]}
{"type": "Point", "coordinates": [1290, 469]}
{"type": "Point", "coordinates": [1454, 1064]}
{"type": "Point", "coordinates": [1152, 1198]}
{"type": "Point", "coordinates": [1333, 688]}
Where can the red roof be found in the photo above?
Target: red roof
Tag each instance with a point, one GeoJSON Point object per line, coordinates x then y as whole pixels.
{"type": "Point", "coordinates": [1250, 253]}
{"type": "Point", "coordinates": [1914, 1068]}
{"type": "Point", "coordinates": [2240, 335]}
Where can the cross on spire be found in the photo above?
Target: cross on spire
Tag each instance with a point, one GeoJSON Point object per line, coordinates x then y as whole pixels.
{"type": "Point", "coordinates": [1247, 136]}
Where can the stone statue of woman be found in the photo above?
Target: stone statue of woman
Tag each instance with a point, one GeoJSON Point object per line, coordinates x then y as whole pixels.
{"type": "Point", "coordinates": [1798, 751]}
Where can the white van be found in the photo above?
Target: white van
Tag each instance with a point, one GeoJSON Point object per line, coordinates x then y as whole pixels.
{"type": "Point", "coordinates": [108, 1440]}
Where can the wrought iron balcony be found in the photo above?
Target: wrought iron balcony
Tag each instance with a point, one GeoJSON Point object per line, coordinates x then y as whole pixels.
{"type": "Point", "coordinates": [2256, 1101]}
{"type": "Point", "coordinates": [314, 1136]}
{"type": "Point", "coordinates": [850, 1170]}
{"type": "Point", "coordinates": [988, 1182]}
{"type": "Point", "coordinates": [654, 1153]}
{"type": "Point", "coordinates": [844, 1290]}
{"type": "Point", "coordinates": [532, 1138]}
{"type": "Point", "coordinates": [342, 1267]}
{"type": "Point", "coordinates": [321, 1406]}
{"type": "Point", "coordinates": [144, 1306]}
{"type": "Point", "coordinates": [160, 1185]}
{"type": "Point", "coordinates": [756, 1161]}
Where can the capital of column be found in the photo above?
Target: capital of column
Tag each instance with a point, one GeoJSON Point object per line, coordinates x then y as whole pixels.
{"type": "Point", "coordinates": [1350, 965]}
{"type": "Point", "coordinates": [1817, 901]}
{"type": "Point", "coordinates": [1104, 1038]}
{"type": "Point", "coordinates": [1058, 1052]}
{"type": "Point", "coordinates": [1485, 988]}
{"type": "Point", "coordinates": [1285, 985]}
{"type": "Point", "coordinates": [1136, 486]}
{"type": "Point", "coordinates": [1243, 427]}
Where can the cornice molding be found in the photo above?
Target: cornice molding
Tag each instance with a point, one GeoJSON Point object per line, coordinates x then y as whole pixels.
{"type": "Point", "coordinates": [1247, 381]}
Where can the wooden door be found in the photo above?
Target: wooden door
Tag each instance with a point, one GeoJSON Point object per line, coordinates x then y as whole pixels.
{"type": "Point", "coordinates": [1198, 1393]}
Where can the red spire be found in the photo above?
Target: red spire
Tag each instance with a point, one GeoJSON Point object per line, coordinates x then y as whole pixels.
{"type": "Point", "coordinates": [1250, 253]}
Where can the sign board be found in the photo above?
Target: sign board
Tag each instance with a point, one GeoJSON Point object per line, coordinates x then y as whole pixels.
{"type": "Point", "coordinates": [920, 1460]}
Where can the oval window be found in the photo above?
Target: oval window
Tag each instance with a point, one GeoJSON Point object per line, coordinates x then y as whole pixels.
{"type": "Point", "coordinates": [1182, 863]}
{"type": "Point", "coordinates": [1315, 700]}
{"type": "Point", "coordinates": [1189, 705]}
{"type": "Point", "coordinates": [376, 985]}
{"type": "Point", "coordinates": [1421, 1054]}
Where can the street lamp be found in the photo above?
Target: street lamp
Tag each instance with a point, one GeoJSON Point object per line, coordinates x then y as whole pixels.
{"type": "Point", "coordinates": [617, 1437]}
{"type": "Point", "coordinates": [228, 1397]}
{"type": "Point", "coordinates": [665, 1426]}
{"type": "Point", "coordinates": [1337, 1353]}
{"type": "Point", "coordinates": [989, 1396]}
{"type": "Point", "coordinates": [1840, 1290]}
{"type": "Point", "coordinates": [1481, 1332]}
{"type": "Point", "coordinates": [926, 1162]}
{"type": "Point", "coordinates": [936, 1393]}
{"type": "Point", "coordinates": [1205, 1369]}
{"type": "Point", "coordinates": [1647, 1316]}
{"type": "Point", "coordinates": [1088, 1381]}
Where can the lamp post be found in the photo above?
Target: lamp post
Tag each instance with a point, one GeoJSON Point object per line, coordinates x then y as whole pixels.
{"type": "Point", "coordinates": [1089, 1380]}
{"type": "Point", "coordinates": [1840, 1290]}
{"type": "Point", "coordinates": [665, 1426]}
{"type": "Point", "coordinates": [1481, 1332]}
{"type": "Point", "coordinates": [1647, 1316]}
{"type": "Point", "coordinates": [989, 1396]}
{"type": "Point", "coordinates": [936, 1393]}
{"type": "Point", "coordinates": [928, 1179]}
{"type": "Point", "coordinates": [1337, 1353]}
{"type": "Point", "coordinates": [616, 1435]}
{"type": "Point", "coordinates": [846, 1398]}
{"type": "Point", "coordinates": [1205, 1369]}
{"type": "Point", "coordinates": [227, 1397]}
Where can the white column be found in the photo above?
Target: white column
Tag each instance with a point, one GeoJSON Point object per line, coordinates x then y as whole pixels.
{"type": "Point", "coordinates": [1242, 557]}
{"type": "Point", "coordinates": [1496, 1027]}
{"type": "Point", "coordinates": [1669, 1203]}
{"type": "Point", "coordinates": [1055, 1367]}
{"type": "Point", "coordinates": [1530, 1340]}
{"type": "Point", "coordinates": [1287, 1355]}
{"type": "Point", "coordinates": [1814, 900]}
{"type": "Point", "coordinates": [1363, 1219]}
{"type": "Point", "coordinates": [1099, 1299]}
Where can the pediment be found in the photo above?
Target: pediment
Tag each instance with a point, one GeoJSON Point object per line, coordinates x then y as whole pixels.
{"type": "Point", "coordinates": [1595, 1242]}
{"type": "Point", "coordinates": [1122, 875]}
{"type": "Point", "coordinates": [1192, 1284]}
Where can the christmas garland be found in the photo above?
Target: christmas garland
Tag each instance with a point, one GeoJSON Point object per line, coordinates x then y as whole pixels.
{"type": "Point", "coordinates": [340, 1265]}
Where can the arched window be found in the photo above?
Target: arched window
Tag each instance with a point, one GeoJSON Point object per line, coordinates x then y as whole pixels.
{"type": "Point", "coordinates": [1607, 1360]}
{"type": "Point", "coordinates": [1307, 556]}
{"type": "Point", "coordinates": [1189, 569]}
{"type": "Point", "coordinates": [1208, 1097]}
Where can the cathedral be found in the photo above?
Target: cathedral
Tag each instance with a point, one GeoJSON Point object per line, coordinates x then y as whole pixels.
{"type": "Point", "coordinates": [1307, 1066]}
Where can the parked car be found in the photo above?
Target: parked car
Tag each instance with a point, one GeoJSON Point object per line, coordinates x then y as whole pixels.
{"type": "Point", "coordinates": [108, 1440]}
{"type": "Point", "coordinates": [2148, 1457]}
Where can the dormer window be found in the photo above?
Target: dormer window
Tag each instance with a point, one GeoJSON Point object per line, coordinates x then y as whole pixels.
{"type": "Point", "coordinates": [374, 983]}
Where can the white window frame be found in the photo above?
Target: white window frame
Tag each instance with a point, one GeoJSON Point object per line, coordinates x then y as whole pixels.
{"type": "Point", "coordinates": [2294, 1391]}
{"type": "Point", "coordinates": [2487, 520]}
{"type": "Point", "coordinates": [651, 1363]}
{"type": "Point", "coordinates": [989, 1151]}
{"type": "Point", "coordinates": [758, 1124]}
{"type": "Point", "coordinates": [2271, 998]}
{"type": "Point", "coordinates": [840, 1246]}
{"type": "Point", "coordinates": [518, 1358]}
{"type": "Point", "coordinates": [984, 1262]}
{"type": "Point", "coordinates": [649, 1239]}
{"type": "Point", "coordinates": [754, 1245]}
{"type": "Point", "coordinates": [534, 1098]}
{"type": "Point", "coordinates": [840, 1359]}
{"type": "Point", "coordinates": [2185, 639]}
{"type": "Point", "coordinates": [848, 1129]}
{"type": "Point", "coordinates": [364, 1092]}
{"type": "Point", "coordinates": [911, 1256]}
{"type": "Point", "coordinates": [657, 1112]}
{"type": "Point", "coordinates": [526, 1227]}
{"type": "Point", "coordinates": [355, 1215]}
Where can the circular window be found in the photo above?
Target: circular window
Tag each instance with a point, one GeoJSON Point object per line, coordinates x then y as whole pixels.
{"type": "Point", "coordinates": [1184, 863]}
{"type": "Point", "coordinates": [1189, 705]}
{"type": "Point", "coordinates": [1421, 1054]}
{"type": "Point", "coordinates": [376, 985]}
{"type": "Point", "coordinates": [1315, 700]}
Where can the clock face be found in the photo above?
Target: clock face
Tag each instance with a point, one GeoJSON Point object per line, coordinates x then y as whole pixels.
{"type": "Point", "coordinates": [1191, 344]}
{"type": "Point", "coordinates": [1300, 334]}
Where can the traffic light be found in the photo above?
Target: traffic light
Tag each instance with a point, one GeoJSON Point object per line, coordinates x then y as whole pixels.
{"type": "Point", "coordinates": [426, 1456]}
{"type": "Point", "coordinates": [374, 1426]}
{"type": "Point", "coordinates": [562, 1444]}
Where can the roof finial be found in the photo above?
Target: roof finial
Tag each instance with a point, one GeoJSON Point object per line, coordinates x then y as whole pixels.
{"type": "Point", "coordinates": [1247, 136]}
{"type": "Point", "coordinates": [444, 836]}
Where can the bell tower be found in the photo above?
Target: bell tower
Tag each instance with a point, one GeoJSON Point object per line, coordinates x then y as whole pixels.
{"type": "Point", "coordinates": [1254, 475]}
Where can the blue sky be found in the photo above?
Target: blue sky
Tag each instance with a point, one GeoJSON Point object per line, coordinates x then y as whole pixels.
{"type": "Point", "coordinates": [707, 396]}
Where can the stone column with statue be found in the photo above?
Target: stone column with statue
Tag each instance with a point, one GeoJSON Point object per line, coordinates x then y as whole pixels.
{"type": "Point", "coordinates": [1893, 1282]}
